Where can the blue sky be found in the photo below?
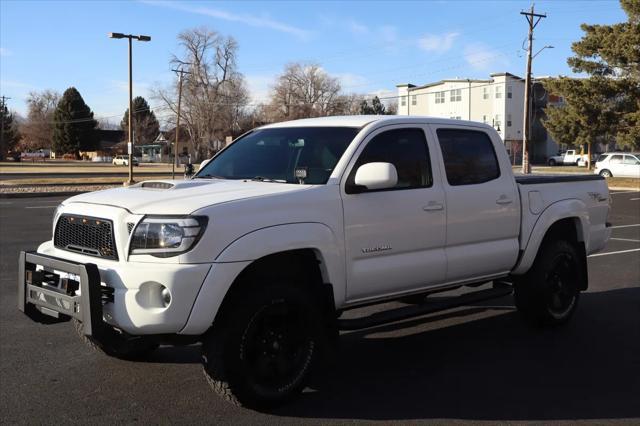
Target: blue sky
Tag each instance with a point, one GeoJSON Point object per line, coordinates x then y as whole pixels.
{"type": "Point", "coordinates": [370, 45]}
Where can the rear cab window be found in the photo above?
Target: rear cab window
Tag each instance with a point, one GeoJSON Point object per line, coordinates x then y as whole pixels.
{"type": "Point", "coordinates": [468, 155]}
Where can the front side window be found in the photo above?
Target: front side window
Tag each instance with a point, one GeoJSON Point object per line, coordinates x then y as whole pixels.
{"type": "Point", "coordinates": [277, 154]}
{"type": "Point", "coordinates": [630, 159]}
{"type": "Point", "coordinates": [406, 149]}
{"type": "Point", "coordinates": [469, 157]}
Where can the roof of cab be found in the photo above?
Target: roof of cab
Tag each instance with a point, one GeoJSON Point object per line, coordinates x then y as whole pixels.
{"type": "Point", "coordinates": [362, 120]}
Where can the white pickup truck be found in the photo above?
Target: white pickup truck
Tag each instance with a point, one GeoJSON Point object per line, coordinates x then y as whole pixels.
{"type": "Point", "coordinates": [568, 157]}
{"type": "Point", "coordinates": [260, 254]}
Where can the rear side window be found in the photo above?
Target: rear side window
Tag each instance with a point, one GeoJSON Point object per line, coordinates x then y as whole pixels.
{"type": "Point", "coordinates": [615, 159]}
{"type": "Point", "coordinates": [469, 157]}
{"type": "Point", "coordinates": [406, 149]}
{"type": "Point", "coordinates": [602, 158]}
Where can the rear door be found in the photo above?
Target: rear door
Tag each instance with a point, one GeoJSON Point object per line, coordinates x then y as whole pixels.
{"type": "Point", "coordinates": [483, 207]}
{"type": "Point", "coordinates": [394, 238]}
{"type": "Point", "coordinates": [631, 166]}
{"type": "Point", "coordinates": [616, 165]}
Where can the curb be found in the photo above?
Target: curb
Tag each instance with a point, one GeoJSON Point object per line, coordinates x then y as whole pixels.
{"type": "Point", "coordinates": [39, 194]}
{"type": "Point", "coordinates": [623, 188]}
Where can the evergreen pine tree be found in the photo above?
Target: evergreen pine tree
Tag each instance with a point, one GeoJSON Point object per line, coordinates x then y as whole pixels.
{"type": "Point", "coordinates": [145, 123]}
{"type": "Point", "coordinates": [74, 126]}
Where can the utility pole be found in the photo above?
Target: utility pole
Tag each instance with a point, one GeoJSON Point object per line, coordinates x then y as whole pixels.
{"type": "Point", "coordinates": [180, 73]}
{"type": "Point", "coordinates": [533, 19]}
{"type": "Point", "coordinates": [3, 105]}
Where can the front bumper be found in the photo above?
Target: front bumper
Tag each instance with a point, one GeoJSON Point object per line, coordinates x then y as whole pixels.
{"type": "Point", "coordinates": [130, 292]}
{"type": "Point", "coordinates": [40, 291]}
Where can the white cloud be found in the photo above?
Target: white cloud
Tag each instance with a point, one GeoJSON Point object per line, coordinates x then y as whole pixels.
{"type": "Point", "coordinates": [357, 28]}
{"type": "Point", "coordinates": [262, 21]}
{"type": "Point", "coordinates": [389, 34]}
{"type": "Point", "coordinates": [259, 86]}
{"type": "Point", "coordinates": [437, 43]}
{"type": "Point", "coordinates": [5, 52]}
{"type": "Point", "coordinates": [350, 81]}
{"type": "Point", "coordinates": [482, 57]}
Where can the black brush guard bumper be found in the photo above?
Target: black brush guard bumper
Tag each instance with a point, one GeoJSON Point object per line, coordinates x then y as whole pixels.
{"type": "Point", "coordinates": [39, 294]}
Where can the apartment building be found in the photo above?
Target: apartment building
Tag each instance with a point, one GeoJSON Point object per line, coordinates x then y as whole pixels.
{"type": "Point", "coordinates": [497, 101]}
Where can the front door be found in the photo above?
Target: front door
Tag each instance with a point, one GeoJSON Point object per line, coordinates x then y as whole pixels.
{"type": "Point", "coordinates": [394, 237]}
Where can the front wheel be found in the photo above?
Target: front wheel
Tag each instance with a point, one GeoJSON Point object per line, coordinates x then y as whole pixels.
{"type": "Point", "coordinates": [552, 162]}
{"type": "Point", "coordinates": [261, 352]}
{"type": "Point", "coordinates": [605, 173]}
{"type": "Point", "coordinates": [548, 293]}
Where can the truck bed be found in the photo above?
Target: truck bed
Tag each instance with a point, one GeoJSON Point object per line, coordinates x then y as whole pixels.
{"type": "Point", "coordinates": [537, 179]}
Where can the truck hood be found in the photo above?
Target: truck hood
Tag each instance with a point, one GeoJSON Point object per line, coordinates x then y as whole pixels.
{"type": "Point", "coordinates": [182, 196]}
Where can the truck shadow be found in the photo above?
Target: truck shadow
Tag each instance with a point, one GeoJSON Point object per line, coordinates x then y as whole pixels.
{"type": "Point", "coordinates": [492, 368]}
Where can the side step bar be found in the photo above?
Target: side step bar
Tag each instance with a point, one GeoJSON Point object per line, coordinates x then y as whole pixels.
{"type": "Point", "coordinates": [399, 314]}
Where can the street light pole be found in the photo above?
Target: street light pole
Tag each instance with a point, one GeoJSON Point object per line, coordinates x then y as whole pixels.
{"type": "Point", "coordinates": [130, 149]}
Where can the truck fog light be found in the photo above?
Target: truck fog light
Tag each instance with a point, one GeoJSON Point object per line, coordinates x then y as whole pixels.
{"type": "Point", "coordinates": [166, 297]}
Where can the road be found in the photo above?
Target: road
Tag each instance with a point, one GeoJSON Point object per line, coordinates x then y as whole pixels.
{"type": "Point", "coordinates": [472, 364]}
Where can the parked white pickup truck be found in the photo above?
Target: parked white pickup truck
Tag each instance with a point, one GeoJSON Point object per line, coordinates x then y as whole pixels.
{"type": "Point", "coordinates": [568, 157]}
{"type": "Point", "coordinates": [294, 223]}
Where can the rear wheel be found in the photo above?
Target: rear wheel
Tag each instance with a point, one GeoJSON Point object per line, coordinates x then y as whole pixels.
{"type": "Point", "coordinates": [548, 294]}
{"type": "Point", "coordinates": [261, 352]}
{"type": "Point", "coordinates": [605, 173]}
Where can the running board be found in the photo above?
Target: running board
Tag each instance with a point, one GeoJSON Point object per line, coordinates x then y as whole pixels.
{"type": "Point", "coordinates": [399, 314]}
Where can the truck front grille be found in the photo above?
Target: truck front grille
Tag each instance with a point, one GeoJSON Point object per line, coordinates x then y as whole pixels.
{"type": "Point", "coordinates": [86, 235]}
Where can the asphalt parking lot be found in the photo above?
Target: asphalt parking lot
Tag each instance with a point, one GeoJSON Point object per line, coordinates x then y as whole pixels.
{"type": "Point", "coordinates": [477, 363]}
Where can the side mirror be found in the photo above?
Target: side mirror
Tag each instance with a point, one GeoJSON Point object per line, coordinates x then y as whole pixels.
{"type": "Point", "coordinates": [204, 163]}
{"type": "Point", "coordinates": [377, 176]}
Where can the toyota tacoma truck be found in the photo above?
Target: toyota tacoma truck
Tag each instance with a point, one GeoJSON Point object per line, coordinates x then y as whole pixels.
{"type": "Point", "coordinates": [261, 253]}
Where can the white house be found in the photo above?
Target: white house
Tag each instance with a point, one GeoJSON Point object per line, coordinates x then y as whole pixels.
{"type": "Point", "coordinates": [497, 101]}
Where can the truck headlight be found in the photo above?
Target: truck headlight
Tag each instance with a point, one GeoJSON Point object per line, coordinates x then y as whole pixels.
{"type": "Point", "coordinates": [166, 236]}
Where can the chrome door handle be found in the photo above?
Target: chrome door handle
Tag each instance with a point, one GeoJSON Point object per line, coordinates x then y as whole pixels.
{"type": "Point", "coordinates": [433, 206]}
{"type": "Point", "coordinates": [504, 200]}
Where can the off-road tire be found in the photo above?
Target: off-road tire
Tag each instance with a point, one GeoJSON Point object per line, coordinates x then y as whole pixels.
{"type": "Point", "coordinates": [547, 295]}
{"type": "Point", "coordinates": [240, 350]}
{"type": "Point", "coordinates": [119, 346]}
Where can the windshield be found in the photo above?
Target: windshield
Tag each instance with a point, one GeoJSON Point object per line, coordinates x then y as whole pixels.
{"type": "Point", "coordinates": [292, 155]}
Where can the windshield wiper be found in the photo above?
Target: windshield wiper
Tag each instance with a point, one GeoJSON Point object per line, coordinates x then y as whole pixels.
{"type": "Point", "coordinates": [264, 179]}
{"type": "Point", "coordinates": [210, 177]}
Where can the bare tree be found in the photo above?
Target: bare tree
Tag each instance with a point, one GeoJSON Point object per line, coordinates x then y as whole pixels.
{"type": "Point", "coordinates": [214, 94]}
{"type": "Point", "coordinates": [305, 90]}
{"type": "Point", "coordinates": [37, 128]}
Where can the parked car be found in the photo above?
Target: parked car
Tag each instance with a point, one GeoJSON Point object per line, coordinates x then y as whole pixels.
{"type": "Point", "coordinates": [123, 160]}
{"type": "Point", "coordinates": [619, 164]}
{"type": "Point", "coordinates": [260, 254]}
{"type": "Point", "coordinates": [568, 157]}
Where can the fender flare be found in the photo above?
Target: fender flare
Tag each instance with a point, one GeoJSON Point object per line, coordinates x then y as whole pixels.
{"type": "Point", "coordinates": [242, 252]}
{"type": "Point", "coordinates": [563, 209]}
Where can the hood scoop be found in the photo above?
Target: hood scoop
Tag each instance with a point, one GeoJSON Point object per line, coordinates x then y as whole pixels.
{"type": "Point", "coordinates": [157, 185]}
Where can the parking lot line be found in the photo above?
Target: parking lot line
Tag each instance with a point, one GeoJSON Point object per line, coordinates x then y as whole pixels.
{"type": "Point", "coordinates": [622, 192]}
{"type": "Point", "coordinates": [634, 199]}
{"type": "Point", "coordinates": [625, 239]}
{"type": "Point", "coordinates": [625, 226]}
{"type": "Point", "coordinates": [614, 252]}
